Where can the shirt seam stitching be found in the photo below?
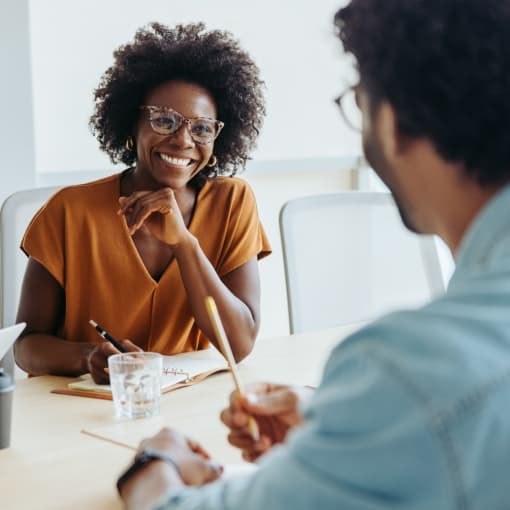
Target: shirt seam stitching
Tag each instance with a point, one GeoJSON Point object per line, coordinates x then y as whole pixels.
{"type": "Point", "coordinates": [438, 429]}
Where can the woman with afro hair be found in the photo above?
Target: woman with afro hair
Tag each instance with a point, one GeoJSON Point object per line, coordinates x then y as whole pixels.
{"type": "Point", "coordinates": [140, 250]}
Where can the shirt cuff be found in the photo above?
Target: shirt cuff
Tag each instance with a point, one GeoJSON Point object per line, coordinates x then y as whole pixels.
{"type": "Point", "coordinates": [172, 498]}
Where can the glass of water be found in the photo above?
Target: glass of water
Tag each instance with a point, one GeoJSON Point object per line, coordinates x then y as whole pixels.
{"type": "Point", "coordinates": [135, 379]}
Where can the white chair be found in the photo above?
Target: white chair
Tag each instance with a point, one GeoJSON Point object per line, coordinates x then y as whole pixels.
{"type": "Point", "coordinates": [15, 215]}
{"type": "Point", "coordinates": [349, 258]}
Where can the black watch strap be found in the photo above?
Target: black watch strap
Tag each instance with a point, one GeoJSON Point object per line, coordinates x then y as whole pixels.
{"type": "Point", "coordinates": [142, 459]}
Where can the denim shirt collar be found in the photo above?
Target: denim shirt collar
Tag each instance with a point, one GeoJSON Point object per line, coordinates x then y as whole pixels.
{"type": "Point", "coordinates": [488, 233]}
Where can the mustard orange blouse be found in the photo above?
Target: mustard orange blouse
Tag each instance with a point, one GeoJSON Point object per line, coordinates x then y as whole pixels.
{"type": "Point", "coordinates": [79, 238]}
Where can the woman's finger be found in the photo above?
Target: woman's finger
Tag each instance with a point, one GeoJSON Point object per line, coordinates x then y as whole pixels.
{"type": "Point", "coordinates": [130, 346]}
{"type": "Point", "coordinates": [126, 202]}
{"type": "Point", "coordinates": [143, 209]}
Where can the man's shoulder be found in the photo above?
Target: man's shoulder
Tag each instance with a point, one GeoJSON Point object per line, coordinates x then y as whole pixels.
{"type": "Point", "coordinates": [440, 352]}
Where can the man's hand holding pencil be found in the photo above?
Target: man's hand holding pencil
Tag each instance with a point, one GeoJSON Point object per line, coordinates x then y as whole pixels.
{"type": "Point", "coordinates": [257, 418]}
{"type": "Point", "coordinates": [275, 408]}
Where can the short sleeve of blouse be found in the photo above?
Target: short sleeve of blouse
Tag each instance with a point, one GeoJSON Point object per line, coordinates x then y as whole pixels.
{"type": "Point", "coordinates": [245, 237]}
{"type": "Point", "coordinates": [44, 239]}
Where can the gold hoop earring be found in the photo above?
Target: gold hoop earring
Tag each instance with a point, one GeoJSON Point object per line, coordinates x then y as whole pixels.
{"type": "Point", "coordinates": [129, 143]}
{"type": "Point", "coordinates": [212, 161]}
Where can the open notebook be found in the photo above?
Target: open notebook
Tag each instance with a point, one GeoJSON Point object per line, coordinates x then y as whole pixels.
{"type": "Point", "coordinates": [178, 371]}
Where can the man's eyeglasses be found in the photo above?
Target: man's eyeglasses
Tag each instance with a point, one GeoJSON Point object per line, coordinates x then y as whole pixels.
{"type": "Point", "coordinates": [349, 108]}
{"type": "Point", "coordinates": [166, 121]}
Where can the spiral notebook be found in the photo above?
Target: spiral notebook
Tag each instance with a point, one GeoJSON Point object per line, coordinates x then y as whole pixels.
{"type": "Point", "coordinates": [179, 371]}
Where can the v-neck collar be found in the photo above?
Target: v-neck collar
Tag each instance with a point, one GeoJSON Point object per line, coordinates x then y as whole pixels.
{"type": "Point", "coordinates": [191, 228]}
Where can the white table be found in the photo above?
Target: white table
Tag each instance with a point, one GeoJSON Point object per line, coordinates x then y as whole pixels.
{"type": "Point", "coordinates": [52, 465]}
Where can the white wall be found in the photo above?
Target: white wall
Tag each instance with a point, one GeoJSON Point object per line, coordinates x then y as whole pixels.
{"type": "Point", "coordinates": [16, 119]}
{"type": "Point", "coordinates": [291, 40]}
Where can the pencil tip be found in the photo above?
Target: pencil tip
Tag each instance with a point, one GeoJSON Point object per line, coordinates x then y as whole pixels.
{"type": "Point", "coordinates": [92, 323]}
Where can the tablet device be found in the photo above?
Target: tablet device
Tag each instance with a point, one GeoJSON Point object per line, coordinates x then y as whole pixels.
{"type": "Point", "coordinates": [8, 336]}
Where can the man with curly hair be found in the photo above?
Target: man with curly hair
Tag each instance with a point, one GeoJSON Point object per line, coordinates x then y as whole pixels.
{"type": "Point", "coordinates": [139, 251]}
{"type": "Point", "coordinates": [412, 411]}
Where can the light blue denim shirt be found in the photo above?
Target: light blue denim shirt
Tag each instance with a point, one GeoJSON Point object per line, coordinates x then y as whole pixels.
{"type": "Point", "coordinates": [413, 411]}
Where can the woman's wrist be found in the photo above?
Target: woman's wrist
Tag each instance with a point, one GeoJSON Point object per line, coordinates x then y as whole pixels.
{"type": "Point", "coordinates": [86, 350]}
{"type": "Point", "coordinates": [187, 244]}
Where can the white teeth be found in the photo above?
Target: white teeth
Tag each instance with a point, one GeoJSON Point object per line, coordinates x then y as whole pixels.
{"type": "Point", "coordinates": [174, 161]}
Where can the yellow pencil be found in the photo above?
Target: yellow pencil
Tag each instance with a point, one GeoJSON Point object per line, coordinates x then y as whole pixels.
{"type": "Point", "coordinates": [221, 336]}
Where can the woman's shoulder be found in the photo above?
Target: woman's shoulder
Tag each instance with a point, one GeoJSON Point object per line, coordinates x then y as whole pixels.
{"type": "Point", "coordinates": [88, 192]}
{"type": "Point", "coordinates": [231, 187]}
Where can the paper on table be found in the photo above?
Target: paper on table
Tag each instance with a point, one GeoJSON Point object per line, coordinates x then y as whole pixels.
{"type": "Point", "coordinates": [129, 433]}
{"type": "Point", "coordinates": [179, 370]}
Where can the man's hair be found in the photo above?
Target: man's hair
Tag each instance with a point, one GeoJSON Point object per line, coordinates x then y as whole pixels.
{"type": "Point", "coordinates": [444, 66]}
{"type": "Point", "coordinates": [210, 59]}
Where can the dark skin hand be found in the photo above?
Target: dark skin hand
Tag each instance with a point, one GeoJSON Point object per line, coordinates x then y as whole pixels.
{"type": "Point", "coordinates": [275, 408]}
{"type": "Point", "coordinates": [147, 486]}
{"type": "Point", "coordinates": [97, 360]}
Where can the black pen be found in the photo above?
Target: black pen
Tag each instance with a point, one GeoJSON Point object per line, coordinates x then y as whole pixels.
{"type": "Point", "coordinates": [107, 336]}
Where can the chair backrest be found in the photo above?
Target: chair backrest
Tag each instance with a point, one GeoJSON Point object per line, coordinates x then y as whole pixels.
{"type": "Point", "coordinates": [15, 215]}
{"type": "Point", "coordinates": [348, 258]}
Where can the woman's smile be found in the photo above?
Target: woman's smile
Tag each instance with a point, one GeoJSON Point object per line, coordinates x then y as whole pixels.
{"type": "Point", "coordinates": [175, 161]}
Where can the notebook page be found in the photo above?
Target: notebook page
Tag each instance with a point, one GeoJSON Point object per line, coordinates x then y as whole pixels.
{"type": "Point", "coordinates": [193, 363]}
{"type": "Point", "coordinates": [176, 369]}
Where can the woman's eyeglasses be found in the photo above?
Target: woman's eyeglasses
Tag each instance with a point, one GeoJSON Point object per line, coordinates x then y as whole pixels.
{"type": "Point", "coordinates": [166, 121]}
{"type": "Point", "coordinates": [349, 108]}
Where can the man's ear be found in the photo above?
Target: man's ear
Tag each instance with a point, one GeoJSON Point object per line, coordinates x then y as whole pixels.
{"type": "Point", "coordinates": [387, 131]}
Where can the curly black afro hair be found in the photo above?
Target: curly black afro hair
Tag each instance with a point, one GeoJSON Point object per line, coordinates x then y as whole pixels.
{"type": "Point", "coordinates": [211, 59]}
{"type": "Point", "coordinates": [444, 65]}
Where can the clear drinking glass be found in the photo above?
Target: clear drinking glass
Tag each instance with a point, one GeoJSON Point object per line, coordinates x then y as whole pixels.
{"type": "Point", "coordinates": [135, 379]}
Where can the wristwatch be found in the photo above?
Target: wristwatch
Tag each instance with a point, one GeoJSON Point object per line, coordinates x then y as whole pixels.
{"type": "Point", "coordinates": [146, 456]}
